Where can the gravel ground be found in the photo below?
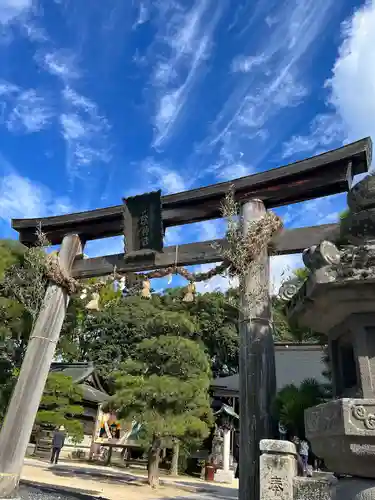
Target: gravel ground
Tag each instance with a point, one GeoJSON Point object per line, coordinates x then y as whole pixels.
{"type": "Point", "coordinates": [27, 493]}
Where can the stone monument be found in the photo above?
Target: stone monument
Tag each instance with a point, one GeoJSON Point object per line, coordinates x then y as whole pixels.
{"type": "Point", "coordinates": [338, 299]}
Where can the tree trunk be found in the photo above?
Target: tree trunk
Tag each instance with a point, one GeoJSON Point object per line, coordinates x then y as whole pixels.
{"type": "Point", "coordinates": [109, 456]}
{"type": "Point", "coordinates": [153, 463]}
{"type": "Point", "coordinates": [176, 452]}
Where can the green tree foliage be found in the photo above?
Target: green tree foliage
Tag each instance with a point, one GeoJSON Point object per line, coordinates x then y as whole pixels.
{"type": "Point", "coordinates": [60, 405]}
{"type": "Point", "coordinates": [291, 402]}
{"type": "Point", "coordinates": [344, 214]}
{"type": "Point", "coordinates": [285, 331]}
{"type": "Point", "coordinates": [109, 336]}
{"type": "Point", "coordinates": [164, 386]}
{"type": "Point", "coordinates": [15, 324]}
{"type": "Point", "coordinates": [302, 273]}
{"type": "Point", "coordinates": [216, 319]}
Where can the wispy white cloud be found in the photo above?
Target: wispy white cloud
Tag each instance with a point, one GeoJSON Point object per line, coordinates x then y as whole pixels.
{"type": "Point", "coordinates": [325, 130]}
{"type": "Point", "coordinates": [21, 17]}
{"type": "Point", "coordinates": [185, 37]}
{"type": "Point", "coordinates": [60, 63]}
{"type": "Point", "coordinates": [144, 12]}
{"type": "Point", "coordinates": [162, 176]}
{"type": "Point", "coordinates": [233, 171]}
{"type": "Point", "coordinates": [312, 212]}
{"type": "Point", "coordinates": [84, 128]}
{"type": "Point", "coordinates": [232, 161]}
{"type": "Point", "coordinates": [85, 132]}
{"type": "Point", "coordinates": [23, 111]}
{"type": "Point", "coordinates": [10, 10]}
{"type": "Point", "coordinates": [351, 102]}
{"type": "Point", "coordinates": [8, 89]}
{"type": "Point", "coordinates": [245, 64]}
{"type": "Point", "coordinates": [21, 197]}
{"type": "Point", "coordinates": [268, 76]}
{"type": "Point", "coordinates": [30, 113]}
{"type": "Point", "coordinates": [353, 78]}
{"type": "Point", "coordinates": [32, 30]}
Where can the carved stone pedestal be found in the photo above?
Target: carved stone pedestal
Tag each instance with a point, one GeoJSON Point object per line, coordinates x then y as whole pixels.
{"type": "Point", "coordinates": [342, 432]}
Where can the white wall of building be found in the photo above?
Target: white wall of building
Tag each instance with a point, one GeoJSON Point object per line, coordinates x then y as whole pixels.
{"type": "Point", "coordinates": [294, 363]}
{"type": "Point", "coordinates": [297, 363]}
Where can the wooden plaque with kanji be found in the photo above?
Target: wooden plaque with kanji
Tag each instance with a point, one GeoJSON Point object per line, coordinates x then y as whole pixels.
{"type": "Point", "coordinates": [143, 224]}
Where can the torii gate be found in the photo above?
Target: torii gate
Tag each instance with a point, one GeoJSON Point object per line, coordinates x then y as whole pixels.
{"type": "Point", "coordinates": [327, 174]}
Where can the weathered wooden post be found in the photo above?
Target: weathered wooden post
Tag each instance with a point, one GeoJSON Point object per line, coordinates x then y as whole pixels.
{"type": "Point", "coordinates": [257, 362]}
{"type": "Point", "coordinates": [24, 404]}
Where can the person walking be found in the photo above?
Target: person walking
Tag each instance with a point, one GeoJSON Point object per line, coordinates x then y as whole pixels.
{"type": "Point", "coordinates": [58, 442]}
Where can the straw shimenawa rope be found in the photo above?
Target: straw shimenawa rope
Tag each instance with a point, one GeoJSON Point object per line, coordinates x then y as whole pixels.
{"type": "Point", "coordinates": [56, 274]}
{"type": "Point", "coordinates": [238, 256]}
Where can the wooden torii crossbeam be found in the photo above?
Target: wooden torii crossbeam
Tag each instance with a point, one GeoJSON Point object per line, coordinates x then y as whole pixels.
{"type": "Point", "coordinates": [327, 174]}
{"type": "Point", "coordinates": [321, 175]}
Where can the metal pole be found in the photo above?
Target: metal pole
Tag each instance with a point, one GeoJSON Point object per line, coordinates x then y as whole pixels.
{"type": "Point", "coordinates": [256, 363]}
{"type": "Point", "coordinates": [24, 404]}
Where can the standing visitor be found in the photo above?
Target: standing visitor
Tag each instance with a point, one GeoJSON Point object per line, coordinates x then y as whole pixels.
{"type": "Point", "coordinates": [282, 432]}
{"type": "Point", "coordinates": [58, 441]}
{"type": "Point", "coordinates": [304, 452]}
{"type": "Point", "coordinates": [296, 441]}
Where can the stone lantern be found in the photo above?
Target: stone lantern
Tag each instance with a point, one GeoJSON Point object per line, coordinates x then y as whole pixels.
{"type": "Point", "coordinates": [338, 299]}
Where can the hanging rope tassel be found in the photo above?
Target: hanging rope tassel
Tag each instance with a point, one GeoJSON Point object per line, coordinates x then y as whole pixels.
{"type": "Point", "coordinates": [146, 293]}
{"type": "Point", "coordinates": [190, 293]}
{"type": "Point", "coordinates": [93, 305]}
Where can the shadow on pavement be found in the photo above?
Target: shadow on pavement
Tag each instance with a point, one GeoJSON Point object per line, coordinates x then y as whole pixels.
{"type": "Point", "coordinates": [214, 492]}
{"type": "Point", "coordinates": [194, 491]}
{"type": "Point", "coordinates": [60, 470]}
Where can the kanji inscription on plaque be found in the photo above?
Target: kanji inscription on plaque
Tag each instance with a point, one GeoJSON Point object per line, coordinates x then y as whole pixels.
{"type": "Point", "coordinates": [143, 225]}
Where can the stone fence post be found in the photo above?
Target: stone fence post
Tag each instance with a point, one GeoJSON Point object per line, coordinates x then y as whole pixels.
{"type": "Point", "coordinates": [278, 468]}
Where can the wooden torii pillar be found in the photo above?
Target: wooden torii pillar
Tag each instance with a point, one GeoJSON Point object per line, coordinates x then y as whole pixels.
{"type": "Point", "coordinates": [257, 380]}
{"type": "Point", "coordinates": [24, 404]}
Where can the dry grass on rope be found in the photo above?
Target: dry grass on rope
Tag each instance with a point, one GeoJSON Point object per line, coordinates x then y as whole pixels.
{"type": "Point", "coordinates": [244, 248]}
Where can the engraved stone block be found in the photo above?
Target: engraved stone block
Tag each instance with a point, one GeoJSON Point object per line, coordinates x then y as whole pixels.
{"type": "Point", "coordinates": [278, 467]}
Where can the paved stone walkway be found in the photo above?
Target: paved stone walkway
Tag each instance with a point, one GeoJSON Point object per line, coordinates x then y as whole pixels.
{"type": "Point", "coordinates": [115, 484]}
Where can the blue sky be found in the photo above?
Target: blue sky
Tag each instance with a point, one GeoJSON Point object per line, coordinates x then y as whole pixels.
{"type": "Point", "coordinates": [104, 99]}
